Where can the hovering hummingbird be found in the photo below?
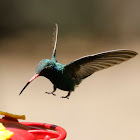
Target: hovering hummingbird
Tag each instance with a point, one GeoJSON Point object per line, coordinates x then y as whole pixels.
{"type": "Point", "coordinates": [67, 77]}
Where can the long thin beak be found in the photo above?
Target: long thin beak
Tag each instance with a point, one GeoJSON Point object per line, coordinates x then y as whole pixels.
{"type": "Point", "coordinates": [35, 76]}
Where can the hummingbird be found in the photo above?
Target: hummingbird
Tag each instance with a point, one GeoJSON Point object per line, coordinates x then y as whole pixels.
{"type": "Point", "coordinates": [67, 77]}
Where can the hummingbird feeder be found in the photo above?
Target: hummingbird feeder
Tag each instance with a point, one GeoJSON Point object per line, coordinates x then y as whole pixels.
{"type": "Point", "coordinates": [12, 129]}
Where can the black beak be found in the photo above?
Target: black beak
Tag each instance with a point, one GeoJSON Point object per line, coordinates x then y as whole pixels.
{"type": "Point", "coordinates": [34, 77]}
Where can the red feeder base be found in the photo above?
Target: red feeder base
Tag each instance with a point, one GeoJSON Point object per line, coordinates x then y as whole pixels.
{"type": "Point", "coordinates": [32, 130]}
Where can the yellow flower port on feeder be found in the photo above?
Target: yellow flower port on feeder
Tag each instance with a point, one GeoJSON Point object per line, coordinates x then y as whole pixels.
{"type": "Point", "coordinates": [12, 115]}
{"type": "Point", "coordinates": [5, 134]}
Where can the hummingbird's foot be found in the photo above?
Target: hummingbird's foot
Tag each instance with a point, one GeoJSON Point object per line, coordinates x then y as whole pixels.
{"type": "Point", "coordinates": [67, 95]}
{"type": "Point", "coordinates": [54, 89]}
{"type": "Point", "coordinates": [51, 93]}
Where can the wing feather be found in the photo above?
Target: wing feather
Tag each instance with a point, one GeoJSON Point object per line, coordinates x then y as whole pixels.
{"type": "Point", "coordinates": [55, 33]}
{"type": "Point", "coordinates": [85, 66]}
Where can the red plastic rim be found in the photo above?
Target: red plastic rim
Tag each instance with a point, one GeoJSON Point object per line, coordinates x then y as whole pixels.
{"type": "Point", "coordinates": [45, 131]}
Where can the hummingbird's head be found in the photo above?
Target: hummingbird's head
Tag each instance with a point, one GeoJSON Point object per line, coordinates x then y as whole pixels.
{"type": "Point", "coordinates": [42, 65]}
{"type": "Point", "coordinates": [39, 69]}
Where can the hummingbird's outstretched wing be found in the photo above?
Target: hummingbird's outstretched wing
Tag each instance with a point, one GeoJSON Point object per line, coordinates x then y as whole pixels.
{"type": "Point", "coordinates": [55, 34]}
{"type": "Point", "coordinates": [85, 66]}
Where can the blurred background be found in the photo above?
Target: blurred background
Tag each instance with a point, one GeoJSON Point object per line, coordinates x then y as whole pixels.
{"type": "Point", "coordinates": [105, 105]}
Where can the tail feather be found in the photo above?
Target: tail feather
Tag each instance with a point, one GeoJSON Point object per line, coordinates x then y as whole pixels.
{"type": "Point", "coordinates": [55, 42]}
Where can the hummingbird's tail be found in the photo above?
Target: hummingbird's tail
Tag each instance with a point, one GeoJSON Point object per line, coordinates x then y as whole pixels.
{"type": "Point", "coordinates": [55, 42]}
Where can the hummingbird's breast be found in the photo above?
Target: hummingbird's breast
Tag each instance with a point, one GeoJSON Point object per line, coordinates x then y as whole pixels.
{"type": "Point", "coordinates": [58, 78]}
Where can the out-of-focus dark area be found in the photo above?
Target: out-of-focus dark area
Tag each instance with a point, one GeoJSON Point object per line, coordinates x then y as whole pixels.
{"type": "Point", "coordinates": [102, 18]}
{"type": "Point", "coordinates": [105, 105]}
